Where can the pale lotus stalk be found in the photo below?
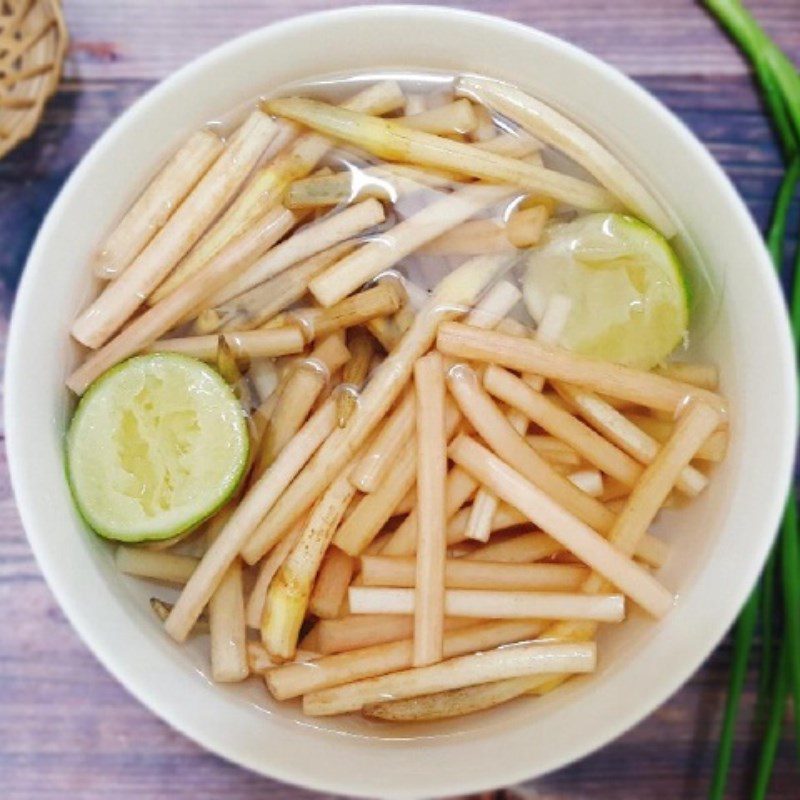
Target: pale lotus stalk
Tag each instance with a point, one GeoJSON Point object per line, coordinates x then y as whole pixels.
{"type": "Point", "coordinates": [460, 289]}
{"type": "Point", "coordinates": [253, 344]}
{"type": "Point", "coordinates": [303, 387]}
{"type": "Point", "coordinates": [244, 520]}
{"type": "Point", "coordinates": [383, 253]}
{"type": "Point", "coordinates": [120, 299]}
{"type": "Point", "coordinates": [308, 241]}
{"type": "Point", "coordinates": [330, 588]}
{"type": "Point", "coordinates": [270, 564]}
{"type": "Point", "coordinates": [555, 129]}
{"type": "Point", "coordinates": [493, 665]}
{"type": "Point", "coordinates": [293, 680]}
{"type": "Point", "coordinates": [155, 565]}
{"type": "Point", "coordinates": [706, 376]}
{"type": "Point", "coordinates": [227, 628]}
{"type": "Point", "coordinates": [431, 472]}
{"type": "Point", "coordinates": [526, 355]}
{"type": "Point", "coordinates": [526, 226]}
{"type": "Point", "coordinates": [494, 604]}
{"type": "Point", "coordinates": [634, 441]}
{"type": "Point", "coordinates": [589, 481]}
{"type": "Point", "coordinates": [456, 117]}
{"type": "Point", "coordinates": [354, 373]}
{"type": "Point", "coordinates": [289, 592]}
{"type": "Point", "coordinates": [474, 237]}
{"type": "Point", "coordinates": [395, 142]}
{"type": "Point", "coordinates": [157, 203]}
{"type": "Point", "coordinates": [264, 303]}
{"type": "Point", "coordinates": [383, 571]}
{"type": "Point", "coordinates": [264, 189]}
{"type": "Point", "coordinates": [493, 426]}
{"type": "Point", "coordinates": [577, 537]}
{"type": "Point", "coordinates": [692, 428]}
{"type": "Point", "coordinates": [713, 449]}
{"type": "Point", "coordinates": [156, 321]}
{"type": "Point", "coordinates": [564, 426]}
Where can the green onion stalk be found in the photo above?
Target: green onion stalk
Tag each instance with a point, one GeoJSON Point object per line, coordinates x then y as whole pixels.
{"type": "Point", "coordinates": [776, 598]}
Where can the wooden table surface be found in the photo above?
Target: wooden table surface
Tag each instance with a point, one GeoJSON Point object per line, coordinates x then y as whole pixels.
{"type": "Point", "coordinates": [67, 730]}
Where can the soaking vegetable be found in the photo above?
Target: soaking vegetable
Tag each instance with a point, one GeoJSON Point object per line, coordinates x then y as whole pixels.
{"type": "Point", "coordinates": [448, 320]}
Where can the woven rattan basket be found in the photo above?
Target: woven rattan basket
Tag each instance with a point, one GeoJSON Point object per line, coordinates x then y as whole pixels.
{"type": "Point", "coordinates": [33, 38]}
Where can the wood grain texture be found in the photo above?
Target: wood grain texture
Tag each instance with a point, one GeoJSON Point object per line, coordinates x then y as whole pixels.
{"type": "Point", "coordinates": [67, 729]}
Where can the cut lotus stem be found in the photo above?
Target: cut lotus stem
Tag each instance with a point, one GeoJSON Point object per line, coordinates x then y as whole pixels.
{"type": "Point", "coordinates": [375, 509]}
{"type": "Point", "coordinates": [156, 321]}
{"type": "Point", "coordinates": [252, 344]}
{"type": "Point", "coordinates": [493, 665]}
{"type": "Point", "coordinates": [514, 145]}
{"type": "Point", "coordinates": [626, 435]}
{"type": "Point", "coordinates": [330, 588]}
{"type": "Point", "coordinates": [308, 241]}
{"type": "Point", "coordinates": [692, 428]}
{"type": "Point", "coordinates": [482, 511]}
{"type": "Point", "coordinates": [407, 504]}
{"type": "Point", "coordinates": [525, 227]}
{"type": "Point", "coordinates": [156, 204]}
{"type": "Point", "coordinates": [521, 549]}
{"type": "Point", "coordinates": [494, 306]}
{"type": "Point", "coordinates": [345, 667]}
{"type": "Point", "coordinates": [555, 129]}
{"type": "Point", "coordinates": [456, 117]}
{"type": "Point", "coordinates": [585, 543]}
{"type": "Point", "coordinates": [380, 301]}
{"type": "Point", "coordinates": [505, 516]}
{"type": "Point", "coordinates": [529, 547]}
{"type": "Point", "coordinates": [462, 574]}
{"type": "Point", "coordinates": [493, 604]}
{"type": "Point", "coordinates": [493, 426]}
{"type": "Point", "coordinates": [563, 425]}
{"type": "Point", "coordinates": [298, 396]}
{"type": "Point", "coordinates": [356, 631]}
{"type": "Point", "coordinates": [354, 375]}
{"type": "Point", "coordinates": [383, 253]}
{"type": "Point", "coordinates": [713, 449]}
{"type": "Point", "coordinates": [431, 522]}
{"type": "Point", "coordinates": [120, 299]}
{"type": "Point", "coordinates": [456, 292]}
{"type": "Point", "coordinates": [706, 376]}
{"type": "Point", "coordinates": [453, 703]}
{"type": "Point", "coordinates": [289, 592]}
{"type": "Point", "coordinates": [227, 628]}
{"type": "Point", "coordinates": [474, 237]}
{"type": "Point", "coordinates": [264, 302]}
{"type": "Point", "coordinates": [155, 565]}
{"type": "Point", "coordinates": [369, 473]}
{"type": "Point", "coordinates": [554, 450]}
{"type": "Point", "coordinates": [396, 142]}
{"type": "Point", "coordinates": [526, 355]}
{"type": "Point", "coordinates": [263, 191]}
{"type": "Point", "coordinates": [459, 487]}
{"type": "Point", "coordinates": [387, 182]}
{"type": "Point", "coordinates": [485, 130]}
{"type": "Point", "coordinates": [244, 520]}
{"type": "Point", "coordinates": [588, 480]}
{"type": "Point", "coordinates": [270, 564]}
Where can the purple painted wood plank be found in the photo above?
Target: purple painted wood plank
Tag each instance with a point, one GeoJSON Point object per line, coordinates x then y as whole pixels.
{"type": "Point", "coordinates": [149, 38]}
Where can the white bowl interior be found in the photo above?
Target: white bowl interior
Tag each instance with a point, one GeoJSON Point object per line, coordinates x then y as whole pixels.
{"type": "Point", "coordinates": [719, 544]}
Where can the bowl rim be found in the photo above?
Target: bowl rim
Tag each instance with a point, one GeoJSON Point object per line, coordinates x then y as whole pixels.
{"type": "Point", "coordinates": [78, 616]}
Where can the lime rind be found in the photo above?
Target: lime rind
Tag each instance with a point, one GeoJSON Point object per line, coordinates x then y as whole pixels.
{"type": "Point", "coordinates": [156, 445]}
{"type": "Point", "coordinates": [629, 294]}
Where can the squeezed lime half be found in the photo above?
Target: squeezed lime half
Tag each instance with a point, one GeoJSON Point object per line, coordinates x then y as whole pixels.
{"type": "Point", "coordinates": [629, 297]}
{"type": "Point", "coordinates": [156, 445]}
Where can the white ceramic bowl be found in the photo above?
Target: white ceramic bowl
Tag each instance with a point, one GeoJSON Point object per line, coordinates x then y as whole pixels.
{"type": "Point", "coordinates": [719, 545]}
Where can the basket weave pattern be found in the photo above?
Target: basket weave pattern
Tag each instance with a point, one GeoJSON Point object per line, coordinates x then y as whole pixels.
{"type": "Point", "coordinates": [33, 38]}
